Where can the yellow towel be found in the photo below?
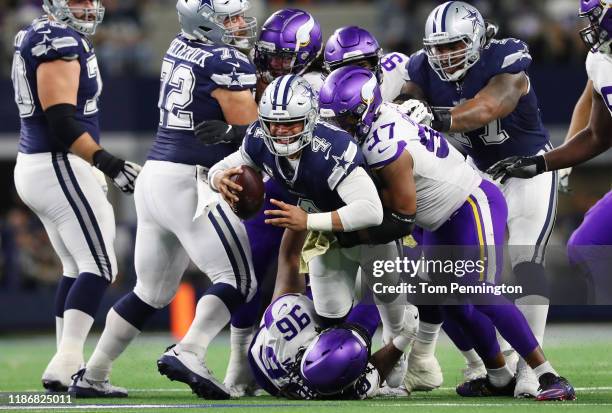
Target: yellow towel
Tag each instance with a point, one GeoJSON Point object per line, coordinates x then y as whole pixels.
{"type": "Point", "coordinates": [317, 243]}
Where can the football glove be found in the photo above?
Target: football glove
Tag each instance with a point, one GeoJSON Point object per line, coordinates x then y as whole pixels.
{"type": "Point", "coordinates": [418, 111]}
{"type": "Point", "coordinates": [524, 167]}
{"type": "Point", "coordinates": [122, 173]}
{"type": "Point", "coordinates": [211, 132]}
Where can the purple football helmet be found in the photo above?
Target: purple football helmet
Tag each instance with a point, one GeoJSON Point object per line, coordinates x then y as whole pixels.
{"type": "Point", "coordinates": [290, 40]}
{"type": "Point", "coordinates": [352, 45]}
{"type": "Point", "coordinates": [350, 98]}
{"type": "Point", "coordinates": [598, 35]}
{"type": "Point", "coordinates": [335, 359]}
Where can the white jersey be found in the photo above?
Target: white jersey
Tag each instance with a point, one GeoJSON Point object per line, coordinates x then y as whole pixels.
{"type": "Point", "coordinates": [394, 75]}
{"type": "Point", "coordinates": [443, 178]}
{"type": "Point", "coordinates": [287, 326]}
{"type": "Point", "coordinates": [599, 70]}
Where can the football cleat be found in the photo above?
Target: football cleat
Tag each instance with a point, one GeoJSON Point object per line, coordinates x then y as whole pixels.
{"type": "Point", "coordinates": [474, 371]}
{"type": "Point", "coordinates": [526, 382]}
{"type": "Point", "coordinates": [82, 387]}
{"type": "Point", "coordinates": [482, 387]}
{"type": "Point", "coordinates": [424, 374]}
{"type": "Point", "coordinates": [555, 388]}
{"type": "Point", "coordinates": [186, 367]}
{"type": "Point", "coordinates": [57, 375]}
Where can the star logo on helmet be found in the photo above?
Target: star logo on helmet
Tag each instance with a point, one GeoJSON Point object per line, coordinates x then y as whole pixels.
{"type": "Point", "coordinates": [472, 15]}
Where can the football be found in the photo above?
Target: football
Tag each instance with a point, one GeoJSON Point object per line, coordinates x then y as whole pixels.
{"type": "Point", "coordinates": [251, 197]}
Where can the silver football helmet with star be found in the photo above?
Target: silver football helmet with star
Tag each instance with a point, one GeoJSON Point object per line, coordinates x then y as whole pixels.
{"type": "Point", "coordinates": [455, 33]}
{"type": "Point", "coordinates": [87, 20]}
{"type": "Point", "coordinates": [218, 21]}
{"type": "Point", "coordinates": [288, 99]}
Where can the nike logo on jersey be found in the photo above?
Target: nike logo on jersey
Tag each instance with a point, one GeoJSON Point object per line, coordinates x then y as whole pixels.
{"type": "Point", "coordinates": [236, 65]}
{"type": "Point", "coordinates": [384, 149]}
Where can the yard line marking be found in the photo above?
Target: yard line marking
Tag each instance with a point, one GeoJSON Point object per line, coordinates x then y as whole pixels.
{"type": "Point", "coordinates": [231, 406]}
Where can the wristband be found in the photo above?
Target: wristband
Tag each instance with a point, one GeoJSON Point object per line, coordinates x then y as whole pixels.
{"type": "Point", "coordinates": [319, 222]}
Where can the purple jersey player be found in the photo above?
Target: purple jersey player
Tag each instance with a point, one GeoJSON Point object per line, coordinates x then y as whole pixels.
{"type": "Point", "coordinates": [427, 180]}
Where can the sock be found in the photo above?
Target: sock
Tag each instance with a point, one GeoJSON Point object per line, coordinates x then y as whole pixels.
{"type": "Point", "coordinates": [426, 339]}
{"type": "Point", "coordinates": [392, 318]}
{"type": "Point", "coordinates": [238, 370]}
{"type": "Point", "coordinates": [81, 305]}
{"type": "Point", "coordinates": [472, 359]}
{"type": "Point", "coordinates": [366, 316]}
{"type": "Point", "coordinates": [478, 327]}
{"type": "Point", "coordinates": [76, 328]}
{"type": "Point", "coordinates": [211, 316]}
{"type": "Point", "coordinates": [117, 335]}
{"type": "Point", "coordinates": [246, 315]}
{"type": "Point", "coordinates": [535, 314]}
{"type": "Point", "coordinates": [455, 332]}
{"type": "Point", "coordinates": [63, 287]}
{"type": "Point", "coordinates": [500, 377]}
{"type": "Point", "coordinates": [543, 369]}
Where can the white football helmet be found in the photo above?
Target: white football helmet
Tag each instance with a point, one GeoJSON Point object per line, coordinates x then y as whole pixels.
{"type": "Point", "coordinates": [288, 99]}
{"type": "Point", "coordinates": [64, 13]}
{"type": "Point", "coordinates": [452, 22]}
{"type": "Point", "coordinates": [206, 20]}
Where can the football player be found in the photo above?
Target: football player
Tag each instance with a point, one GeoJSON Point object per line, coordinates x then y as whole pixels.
{"type": "Point", "coordinates": [352, 45]}
{"type": "Point", "coordinates": [289, 143]}
{"type": "Point", "coordinates": [289, 356]}
{"type": "Point", "coordinates": [204, 76]}
{"type": "Point", "coordinates": [481, 94]}
{"type": "Point", "coordinates": [290, 41]}
{"type": "Point", "coordinates": [591, 125]}
{"type": "Point", "coordinates": [57, 85]}
{"type": "Point", "coordinates": [426, 180]}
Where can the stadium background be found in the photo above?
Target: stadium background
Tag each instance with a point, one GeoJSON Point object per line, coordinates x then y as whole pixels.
{"type": "Point", "coordinates": [130, 44]}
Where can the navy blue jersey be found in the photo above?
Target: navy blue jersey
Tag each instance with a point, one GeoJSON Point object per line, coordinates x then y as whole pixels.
{"type": "Point", "coordinates": [191, 71]}
{"type": "Point", "coordinates": [45, 41]}
{"type": "Point", "coordinates": [520, 133]}
{"type": "Point", "coordinates": [331, 156]}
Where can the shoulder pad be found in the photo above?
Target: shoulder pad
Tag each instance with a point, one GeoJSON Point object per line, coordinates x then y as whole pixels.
{"type": "Point", "coordinates": [507, 56]}
{"type": "Point", "coordinates": [48, 41]}
{"type": "Point", "coordinates": [231, 69]}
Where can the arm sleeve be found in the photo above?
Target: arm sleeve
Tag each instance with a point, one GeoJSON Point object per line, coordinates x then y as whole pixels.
{"type": "Point", "coordinates": [363, 207]}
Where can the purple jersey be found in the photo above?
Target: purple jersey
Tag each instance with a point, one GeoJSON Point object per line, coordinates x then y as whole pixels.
{"type": "Point", "coordinates": [331, 156]}
{"type": "Point", "coordinates": [191, 71]}
{"type": "Point", "coordinates": [45, 41]}
{"type": "Point", "coordinates": [520, 133]}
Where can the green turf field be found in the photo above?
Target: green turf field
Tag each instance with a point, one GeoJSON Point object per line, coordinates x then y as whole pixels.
{"type": "Point", "coordinates": [581, 353]}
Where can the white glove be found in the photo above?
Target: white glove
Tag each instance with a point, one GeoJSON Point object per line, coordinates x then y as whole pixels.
{"type": "Point", "coordinates": [417, 111]}
{"type": "Point", "coordinates": [126, 178]}
{"type": "Point", "coordinates": [564, 175]}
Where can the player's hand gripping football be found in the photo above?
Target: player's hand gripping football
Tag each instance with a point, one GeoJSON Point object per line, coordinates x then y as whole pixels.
{"type": "Point", "coordinates": [524, 167]}
{"type": "Point", "coordinates": [226, 187]}
{"type": "Point", "coordinates": [287, 216]}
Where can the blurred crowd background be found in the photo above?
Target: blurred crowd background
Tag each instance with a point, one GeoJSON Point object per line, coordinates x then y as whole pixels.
{"type": "Point", "coordinates": [133, 38]}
